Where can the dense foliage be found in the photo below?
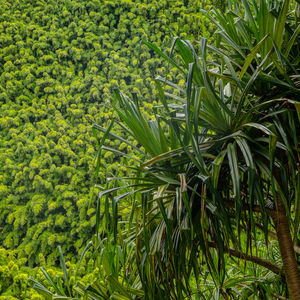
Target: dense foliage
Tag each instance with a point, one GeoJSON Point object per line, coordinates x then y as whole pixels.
{"type": "Point", "coordinates": [217, 173]}
{"type": "Point", "coordinates": [185, 179]}
{"type": "Point", "coordinates": [14, 277]}
{"type": "Point", "coordinates": [216, 177]}
{"type": "Point", "coordinates": [59, 62]}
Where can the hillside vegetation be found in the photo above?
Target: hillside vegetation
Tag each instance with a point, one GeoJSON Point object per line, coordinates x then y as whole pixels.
{"type": "Point", "coordinates": [59, 63]}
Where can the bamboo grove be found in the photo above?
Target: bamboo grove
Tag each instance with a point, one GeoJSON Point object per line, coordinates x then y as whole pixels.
{"type": "Point", "coordinates": [59, 62]}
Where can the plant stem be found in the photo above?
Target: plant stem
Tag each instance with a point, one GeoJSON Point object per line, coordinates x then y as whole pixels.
{"type": "Point", "coordinates": [286, 246]}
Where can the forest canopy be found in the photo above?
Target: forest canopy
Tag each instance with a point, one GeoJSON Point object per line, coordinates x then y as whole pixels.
{"type": "Point", "coordinates": [59, 64]}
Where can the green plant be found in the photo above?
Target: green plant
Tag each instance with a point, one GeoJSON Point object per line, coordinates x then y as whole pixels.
{"type": "Point", "coordinates": [113, 274]}
{"type": "Point", "coordinates": [61, 287]}
{"type": "Point", "coordinates": [220, 157]}
{"type": "Point", "coordinates": [14, 283]}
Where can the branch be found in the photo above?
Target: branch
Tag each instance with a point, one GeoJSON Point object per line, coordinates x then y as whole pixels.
{"type": "Point", "coordinates": [260, 261]}
{"type": "Point", "coordinates": [279, 297]}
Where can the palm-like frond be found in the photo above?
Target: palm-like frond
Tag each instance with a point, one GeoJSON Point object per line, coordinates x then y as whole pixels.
{"type": "Point", "coordinates": [221, 156]}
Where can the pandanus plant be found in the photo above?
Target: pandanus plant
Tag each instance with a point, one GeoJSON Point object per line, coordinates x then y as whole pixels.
{"type": "Point", "coordinates": [220, 159]}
